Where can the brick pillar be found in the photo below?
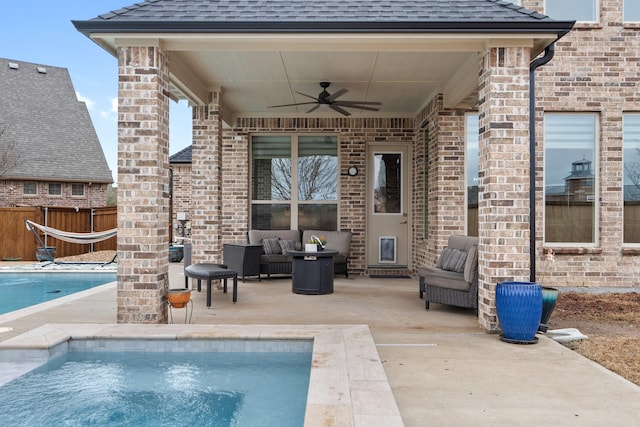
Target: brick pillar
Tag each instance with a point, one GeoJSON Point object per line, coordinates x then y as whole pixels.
{"type": "Point", "coordinates": [503, 199]}
{"type": "Point", "coordinates": [143, 185]}
{"type": "Point", "coordinates": [206, 167]}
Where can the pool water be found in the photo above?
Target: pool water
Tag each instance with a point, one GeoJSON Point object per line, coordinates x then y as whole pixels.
{"type": "Point", "coordinates": [20, 290]}
{"type": "Point", "coordinates": [161, 389]}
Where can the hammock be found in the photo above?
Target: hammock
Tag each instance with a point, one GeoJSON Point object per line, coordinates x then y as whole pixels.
{"type": "Point", "coordinates": [83, 238]}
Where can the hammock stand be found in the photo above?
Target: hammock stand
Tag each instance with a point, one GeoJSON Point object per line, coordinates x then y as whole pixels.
{"type": "Point", "coordinates": [67, 236]}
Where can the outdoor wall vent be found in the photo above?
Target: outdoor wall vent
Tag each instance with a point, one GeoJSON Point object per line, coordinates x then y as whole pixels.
{"type": "Point", "coordinates": [42, 70]}
{"type": "Point", "coordinates": [14, 65]}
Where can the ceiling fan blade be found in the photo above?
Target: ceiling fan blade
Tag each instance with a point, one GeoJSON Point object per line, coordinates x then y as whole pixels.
{"type": "Point", "coordinates": [315, 98]}
{"type": "Point", "coordinates": [290, 105]}
{"type": "Point", "coordinates": [339, 110]}
{"type": "Point", "coordinates": [336, 94]}
{"type": "Point", "coordinates": [314, 108]}
{"type": "Point", "coordinates": [361, 107]}
{"type": "Point", "coordinates": [346, 103]}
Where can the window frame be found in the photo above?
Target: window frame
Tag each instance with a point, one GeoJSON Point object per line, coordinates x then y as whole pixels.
{"type": "Point", "coordinates": [596, 181]}
{"type": "Point", "coordinates": [294, 201]}
{"type": "Point", "coordinates": [596, 13]}
{"type": "Point", "coordinates": [29, 183]}
{"type": "Point", "coordinates": [54, 194]}
{"type": "Point", "coordinates": [73, 190]}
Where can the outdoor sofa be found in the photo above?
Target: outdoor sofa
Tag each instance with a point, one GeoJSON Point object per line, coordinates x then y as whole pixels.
{"type": "Point", "coordinates": [454, 279]}
{"type": "Point", "coordinates": [276, 243]}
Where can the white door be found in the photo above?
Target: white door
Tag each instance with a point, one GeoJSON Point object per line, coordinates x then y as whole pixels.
{"type": "Point", "coordinates": [387, 207]}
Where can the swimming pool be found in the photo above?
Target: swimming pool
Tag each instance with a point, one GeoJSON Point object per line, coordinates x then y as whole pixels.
{"type": "Point", "coordinates": [24, 289]}
{"type": "Point", "coordinates": [347, 383]}
{"type": "Point", "coordinates": [162, 389]}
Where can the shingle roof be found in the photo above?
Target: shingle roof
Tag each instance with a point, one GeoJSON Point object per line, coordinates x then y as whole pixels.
{"type": "Point", "coordinates": [312, 15]}
{"type": "Point", "coordinates": [182, 156]}
{"type": "Point", "coordinates": [52, 130]}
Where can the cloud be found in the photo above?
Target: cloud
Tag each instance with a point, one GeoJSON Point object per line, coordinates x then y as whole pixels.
{"type": "Point", "coordinates": [112, 114]}
{"type": "Point", "coordinates": [88, 102]}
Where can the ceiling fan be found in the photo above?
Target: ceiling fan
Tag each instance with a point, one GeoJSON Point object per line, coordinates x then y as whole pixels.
{"type": "Point", "coordinates": [325, 98]}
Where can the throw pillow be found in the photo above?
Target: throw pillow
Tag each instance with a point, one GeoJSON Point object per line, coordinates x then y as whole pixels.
{"type": "Point", "coordinates": [456, 261]}
{"type": "Point", "coordinates": [444, 258]}
{"type": "Point", "coordinates": [271, 246]}
{"type": "Point", "coordinates": [287, 245]}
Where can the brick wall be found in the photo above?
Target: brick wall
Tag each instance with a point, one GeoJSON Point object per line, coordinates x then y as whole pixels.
{"type": "Point", "coordinates": [95, 195]}
{"type": "Point", "coordinates": [596, 69]}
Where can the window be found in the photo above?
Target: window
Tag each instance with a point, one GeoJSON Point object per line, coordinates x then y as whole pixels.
{"type": "Point", "coordinates": [286, 197]}
{"type": "Point", "coordinates": [473, 150]}
{"type": "Point", "coordinates": [570, 174]}
{"type": "Point", "coordinates": [631, 11]}
{"type": "Point", "coordinates": [77, 190]}
{"type": "Point", "coordinates": [55, 189]}
{"type": "Point", "coordinates": [631, 160]}
{"type": "Point", "coordinates": [29, 188]}
{"type": "Point", "coordinates": [572, 10]}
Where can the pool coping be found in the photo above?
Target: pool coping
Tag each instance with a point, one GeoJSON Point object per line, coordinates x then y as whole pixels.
{"type": "Point", "coordinates": [348, 385]}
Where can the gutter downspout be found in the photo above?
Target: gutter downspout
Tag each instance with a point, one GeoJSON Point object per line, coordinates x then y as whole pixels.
{"type": "Point", "coordinates": [548, 55]}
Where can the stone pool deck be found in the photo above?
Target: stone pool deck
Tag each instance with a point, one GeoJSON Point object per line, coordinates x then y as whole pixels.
{"type": "Point", "coordinates": [442, 368]}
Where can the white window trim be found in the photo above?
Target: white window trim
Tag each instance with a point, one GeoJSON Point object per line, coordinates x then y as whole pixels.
{"type": "Point", "coordinates": [29, 194]}
{"type": "Point", "coordinates": [55, 195]}
{"type": "Point", "coordinates": [596, 183]}
{"type": "Point", "coordinates": [79, 196]}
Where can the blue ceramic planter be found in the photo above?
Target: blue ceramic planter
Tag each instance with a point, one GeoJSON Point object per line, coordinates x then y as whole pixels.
{"type": "Point", "coordinates": [519, 309]}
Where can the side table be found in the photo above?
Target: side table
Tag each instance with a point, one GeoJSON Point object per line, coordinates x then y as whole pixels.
{"type": "Point", "coordinates": [312, 272]}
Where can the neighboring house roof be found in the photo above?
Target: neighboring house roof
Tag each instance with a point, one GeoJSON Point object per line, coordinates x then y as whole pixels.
{"type": "Point", "coordinates": [312, 16]}
{"type": "Point", "coordinates": [182, 156]}
{"type": "Point", "coordinates": [53, 134]}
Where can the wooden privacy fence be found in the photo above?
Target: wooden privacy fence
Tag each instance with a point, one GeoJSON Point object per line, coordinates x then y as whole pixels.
{"type": "Point", "coordinates": [16, 241]}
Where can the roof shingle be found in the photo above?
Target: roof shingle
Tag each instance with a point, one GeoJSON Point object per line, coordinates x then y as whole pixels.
{"type": "Point", "coordinates": [53, 133]}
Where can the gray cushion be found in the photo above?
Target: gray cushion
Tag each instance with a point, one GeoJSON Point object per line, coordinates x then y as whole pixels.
{"type": "Point", "coordinates": [256, 236]}
{"type": "Point", "coordinates": [287, 245]}
{"type": "Point", "coordinates": [471, 266]}
{"type": "Point", "coordinates": [336, 240]}
{"type": "Point", "coordinates": [271, 246]}
{"type": "Point", "coordinates": [443, 279]}
{"type": "Point", "coordinates": [455, 260]}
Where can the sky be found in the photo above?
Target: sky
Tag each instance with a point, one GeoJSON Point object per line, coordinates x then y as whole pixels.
{"type": "Point", "coordinates": [41, 32]}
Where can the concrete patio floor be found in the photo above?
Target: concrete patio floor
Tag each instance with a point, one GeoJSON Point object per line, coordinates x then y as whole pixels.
{"type": "Point", "coordinates": [443, 369]}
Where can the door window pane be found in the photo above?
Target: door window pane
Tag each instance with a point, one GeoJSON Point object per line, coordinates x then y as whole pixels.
{"type": "Point", "coordinates": [631, 11]}
{"type": "Point", "coordinates": [387, 186]}
{"type": "Point", "coordinates": [570, 178]}
{"type": "Point", "coordinates": [317, 168]}
{"type": "Point", "coordinates": [572, 10]}
{"type": "Point", "coordinates": [631, 156]}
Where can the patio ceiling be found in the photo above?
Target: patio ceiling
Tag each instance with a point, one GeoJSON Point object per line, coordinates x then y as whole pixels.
{"type": "Point", "coordinates": [255, 71]}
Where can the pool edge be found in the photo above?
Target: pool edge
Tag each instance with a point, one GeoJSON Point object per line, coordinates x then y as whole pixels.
{"type": "Point", "coordinates": [348, 385]}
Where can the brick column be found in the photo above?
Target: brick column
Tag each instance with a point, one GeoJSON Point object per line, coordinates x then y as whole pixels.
{"type": "Point", "coordinates": [143, 185]}
{"type": "Point", "coordinates": [503, 199]}
{"type": "Point", "coordinates": [206, 167]}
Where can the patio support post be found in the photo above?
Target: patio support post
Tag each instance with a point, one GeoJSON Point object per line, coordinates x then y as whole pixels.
{"type": "Point", "coordinates": [143, 185]}
{"type": "Point", "coordinates": [503, 193]}
{"type": "Point", "coordinates": [206, 182]}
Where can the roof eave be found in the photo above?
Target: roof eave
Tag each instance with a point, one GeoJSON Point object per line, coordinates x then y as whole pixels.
{"type": "Point", "coordinates": [546, 26]}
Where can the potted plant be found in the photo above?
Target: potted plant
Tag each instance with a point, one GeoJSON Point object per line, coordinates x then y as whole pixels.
{"type": "Point", "coordinates": [549, 295]}
{"type": "Point", "coordinates": [320, 242]}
